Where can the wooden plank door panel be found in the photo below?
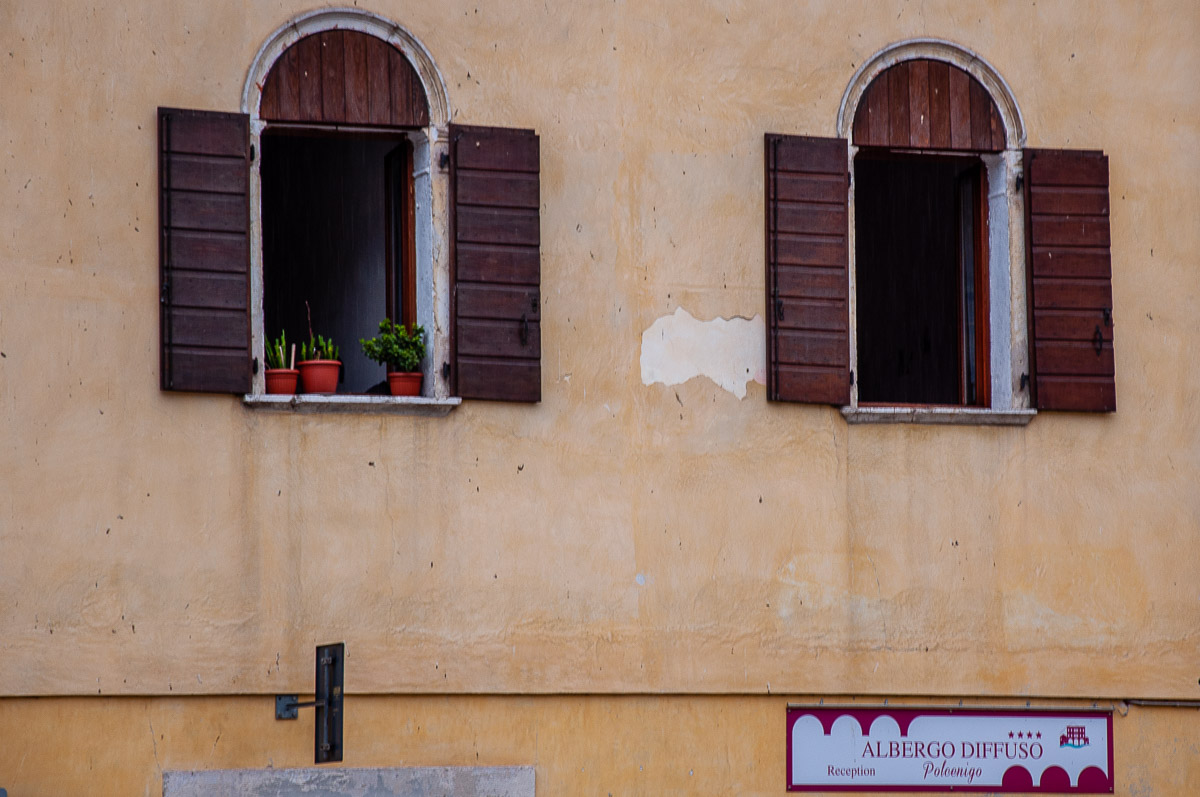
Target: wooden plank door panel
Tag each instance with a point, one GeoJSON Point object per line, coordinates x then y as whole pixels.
{"type": "Point", "coordinates": [1070, 280]}
{"type": "Point", "coordinates": [496, 272]}
{"type": "Point", "coordinates": [808, 324]}
{"type": "Point", "coordinates": [204, 251]}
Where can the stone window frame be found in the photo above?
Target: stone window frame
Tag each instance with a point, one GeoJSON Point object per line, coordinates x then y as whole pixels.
{"type": "Point", "coordinates": [431, 189]}
{"type": "Point", "coordinates": [1009, 352]}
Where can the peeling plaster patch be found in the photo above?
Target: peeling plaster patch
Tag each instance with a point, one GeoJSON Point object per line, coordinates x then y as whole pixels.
{"type": "Point", "coordinates": [640, 579]}
{"type": "Point", "coordinates": [730, 352]}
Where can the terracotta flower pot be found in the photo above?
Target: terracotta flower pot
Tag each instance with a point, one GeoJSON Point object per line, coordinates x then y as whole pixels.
{"type": "Point", "coordinates": [282, 380]}
{"type": "Point", "coordinates": [319, 376]}
{"type": "Point", "coordinates": [405, 384]}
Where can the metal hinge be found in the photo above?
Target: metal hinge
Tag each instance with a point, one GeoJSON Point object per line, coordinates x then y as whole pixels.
{"type": "Point", "coordinates": [328, 700]}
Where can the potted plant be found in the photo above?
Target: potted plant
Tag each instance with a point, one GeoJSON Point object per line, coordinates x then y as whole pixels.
{"type": "Point", "coordinates": [281, 372]}
{"type": "Point", "coordinates": [319, 365]}
{"type": "Point", "coordinates": [401, 351]}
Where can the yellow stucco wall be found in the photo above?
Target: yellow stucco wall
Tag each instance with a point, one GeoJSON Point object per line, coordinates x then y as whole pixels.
{"type": "Point", "coordinates": [616, 537]}
{"type": "Point", "coordinates": [577, 744]}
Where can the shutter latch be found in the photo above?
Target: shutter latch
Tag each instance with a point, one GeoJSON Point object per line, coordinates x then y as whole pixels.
{"type": "Point", "coordinates": [524, 329]}
{"type": "Point", "coordinates": [1098, 341]}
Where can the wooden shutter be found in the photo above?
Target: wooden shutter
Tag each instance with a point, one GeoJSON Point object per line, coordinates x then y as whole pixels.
{"type": "Point", "coordinates": [496, 269]}
{"type": "Point", "coordinates": [204, 250]}
{"type": "Point", "coordinates": [1070, 280]}
{"type": "Point", "coordinates": [808, 327]}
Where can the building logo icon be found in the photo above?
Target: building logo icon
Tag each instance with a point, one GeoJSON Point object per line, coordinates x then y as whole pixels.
{"type": "Point", "coordinates": [1074, 737]}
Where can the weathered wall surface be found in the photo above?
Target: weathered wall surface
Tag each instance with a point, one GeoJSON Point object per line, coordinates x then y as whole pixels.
{"type": "Point", "coordinates": [577, 744]}
{"type": "Point", "coordinates": [620, 536]}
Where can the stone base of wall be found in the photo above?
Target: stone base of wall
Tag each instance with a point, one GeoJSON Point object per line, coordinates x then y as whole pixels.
{"type": "Point", "coordinates": [341, 782]}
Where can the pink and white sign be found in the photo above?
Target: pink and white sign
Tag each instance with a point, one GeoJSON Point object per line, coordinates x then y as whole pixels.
{"type": "Point", "coordinates": [959, 749]}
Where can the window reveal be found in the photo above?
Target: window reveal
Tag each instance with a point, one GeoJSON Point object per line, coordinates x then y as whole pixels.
{"type": "Point", "coordinates": [335, 223]}
{"type": "Point", "coordinates": [921, 280]}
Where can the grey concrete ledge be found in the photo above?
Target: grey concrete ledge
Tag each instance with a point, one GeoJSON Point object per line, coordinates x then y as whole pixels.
{"type": "Point", "coordinates": [329, 782]}
{"type": "Point", "coordinates": [953, 416]}
{"type": "Point", "coordinates": [362, 405]}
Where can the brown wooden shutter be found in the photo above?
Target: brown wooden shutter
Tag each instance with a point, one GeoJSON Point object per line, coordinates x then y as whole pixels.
{"type": "Point", "coordinates": [496, 235]}
{"type": "Point", "coordinates": [204, 250]}
{"type": "Point", "coordinates": [808, 327]}
{"type": "Point", "coordinates": [1069, 269]}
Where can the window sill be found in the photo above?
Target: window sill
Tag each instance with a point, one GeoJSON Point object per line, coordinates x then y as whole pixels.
{"type": "Point", "coordinates": [361, 405]}
{"type": "Point", "coordinates": [954, 416]}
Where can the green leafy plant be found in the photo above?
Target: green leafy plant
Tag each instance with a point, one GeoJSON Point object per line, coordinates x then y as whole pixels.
{"type": "Point", "coordinates": [277, 352]}
{"type": "Point", "coordinates": [398, 348]}
{"type": "Point", "coordinates": [319, 348]}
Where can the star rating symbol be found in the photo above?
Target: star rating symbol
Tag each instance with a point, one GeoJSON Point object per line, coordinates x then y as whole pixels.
{"type": "Point", "coordinates": [1010, 734]}
{"type": "Point", "coordinates": [1023, 735]}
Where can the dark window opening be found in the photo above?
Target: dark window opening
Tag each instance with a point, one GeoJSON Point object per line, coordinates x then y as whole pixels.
{"type": "Point", "coordinates": [920, 276]}
{"type": "Point", "coordinates": [337, 217]}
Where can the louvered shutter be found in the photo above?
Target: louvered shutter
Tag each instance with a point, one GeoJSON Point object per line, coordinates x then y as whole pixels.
{"type": "Point", "coordinates": [808, 323]}
{"type": "Point", "coordinates": [204, 250]}
{"type": "Point", "coordinates": [496, 237]}
{"type": "Point", "coordinates": [1070, 280]}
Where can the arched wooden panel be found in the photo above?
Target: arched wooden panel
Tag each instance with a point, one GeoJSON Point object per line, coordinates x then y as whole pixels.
{"type": "Point", "coordinates": [344, 77]}
{"type": "Point", "coordinates": [927, 104]}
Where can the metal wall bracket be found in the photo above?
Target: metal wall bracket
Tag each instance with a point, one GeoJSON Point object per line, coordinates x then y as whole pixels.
{"type": "Point", "coordinates": [328, 693]}
{"type": "Point", "coordinates": [286, 707]}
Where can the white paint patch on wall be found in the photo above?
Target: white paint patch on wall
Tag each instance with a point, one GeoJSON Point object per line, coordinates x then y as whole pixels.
{"type": "Point", "coordinates": [731, 352]}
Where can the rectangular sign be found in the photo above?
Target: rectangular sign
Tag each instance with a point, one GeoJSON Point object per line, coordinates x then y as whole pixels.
{"type": "Point", "coordinates": [950, 749]}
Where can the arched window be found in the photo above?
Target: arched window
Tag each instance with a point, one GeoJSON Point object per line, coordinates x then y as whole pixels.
{"type": "Point", "coordinates": [337, 198]}
{"type": "Point", "coordinates": [926, 135]}
{"type": "Point", "coordinates": [343, 113]}
{"type": "Point", "coordinates": [897, 277]}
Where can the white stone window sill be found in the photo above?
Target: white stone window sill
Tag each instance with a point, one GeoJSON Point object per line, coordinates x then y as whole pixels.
{"type": "Point", "coordinates": [362, 405]}
{"type": "Point", "coordinates": [954, 416]}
